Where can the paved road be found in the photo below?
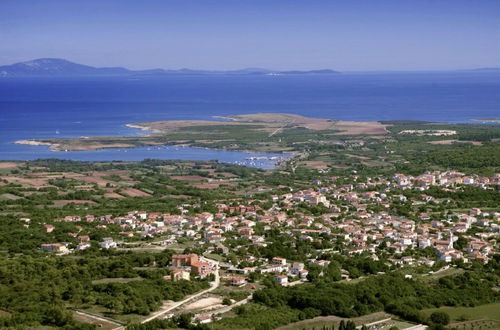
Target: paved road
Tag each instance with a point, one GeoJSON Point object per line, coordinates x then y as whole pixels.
{"type": "Point", "coordinates": [188, 299]}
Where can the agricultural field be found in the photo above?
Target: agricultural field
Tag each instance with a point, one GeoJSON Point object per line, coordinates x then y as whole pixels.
{"type": "Point", "coordinates": [328, 321]}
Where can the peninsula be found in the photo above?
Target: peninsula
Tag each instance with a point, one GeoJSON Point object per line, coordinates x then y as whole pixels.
{"type": "Point", "coordinates": [263, 132]}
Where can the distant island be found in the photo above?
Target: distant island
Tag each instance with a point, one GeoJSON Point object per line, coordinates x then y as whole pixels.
{"type": "Point", "coordinates": [61, 67]}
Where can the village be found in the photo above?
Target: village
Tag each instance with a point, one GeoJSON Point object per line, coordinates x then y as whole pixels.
{"type": "Point", "coordinates": [344, 229]}
{"type": "Point", "coordinates": [400, 221]}
{"type": "Point", "coordinates": [349, 216]}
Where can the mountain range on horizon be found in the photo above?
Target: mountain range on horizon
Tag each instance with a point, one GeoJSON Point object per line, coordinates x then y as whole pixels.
{"type": "Point", "coordinates": [47, 67]}
{"type": "Point", "coordinates": [62, 67]}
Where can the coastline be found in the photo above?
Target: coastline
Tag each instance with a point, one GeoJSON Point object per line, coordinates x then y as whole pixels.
{"type": "Point", "coordinates": [266, 136]}
{"type": "Point", "coordinates": [247, 133]}
{"type": "Point", "coordinates": [258, 159]}
{"type": "Point", "coordinates": [53, 146]}
{"type": "Point", "coordinates": [226, 137]}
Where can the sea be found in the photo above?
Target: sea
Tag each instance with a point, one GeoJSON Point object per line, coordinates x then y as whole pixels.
{"type": "Point", "coordinates": [62, 107]}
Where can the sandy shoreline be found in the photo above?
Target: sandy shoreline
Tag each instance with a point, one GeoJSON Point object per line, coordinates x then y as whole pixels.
{"type": "Point", "coordinates": [226, 118]}
{"type": "Point", "coordinates": [143, 128]}
{"type": "Point", "coordinates": [52, 146]}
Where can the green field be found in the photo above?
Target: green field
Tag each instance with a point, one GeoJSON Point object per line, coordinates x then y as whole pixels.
{"type": "Point", "coordinates": [125, 318]}
{"type": "Point", "coordinates": [436, 276]}
{"type": "Point", "coordinates": [484, 316]}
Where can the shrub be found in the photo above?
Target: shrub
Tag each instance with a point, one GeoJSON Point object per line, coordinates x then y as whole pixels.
{"type": "Point", "coordinates": [439, 317]}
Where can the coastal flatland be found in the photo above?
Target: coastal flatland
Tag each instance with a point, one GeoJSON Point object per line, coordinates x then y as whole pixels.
{"type": "Point", "coordinates": [267, 132]}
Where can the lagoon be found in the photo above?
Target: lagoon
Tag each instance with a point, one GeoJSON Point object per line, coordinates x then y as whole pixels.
{"type": "Point", "coordinates": [250, 159]}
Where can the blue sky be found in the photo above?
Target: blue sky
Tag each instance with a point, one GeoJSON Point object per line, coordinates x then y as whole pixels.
{"type": "Point", "coordinates": [350, 35]}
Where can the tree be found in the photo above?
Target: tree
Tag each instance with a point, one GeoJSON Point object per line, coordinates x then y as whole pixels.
{"type": "Point", "coordinates": [460, 243]}
{"type": "Point", "coordinates": [350, 325]}
{"type": "Point", "coordinates": [184, 320]}
{"type": "Point", "coordinates": [439, 317]}
{"type": "Point", "coordinates": [57, 315]}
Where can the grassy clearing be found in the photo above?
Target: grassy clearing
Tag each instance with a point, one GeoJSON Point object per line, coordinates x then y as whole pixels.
{"type": "Point", "coordinates": [214, 256]}
{"type": "Point", "coordinates": [126, 318]}
{"type": "Point", "coordinates": [457, 314]}
{"type": "Point", "coordinates": [436, 276]}
{"type": "Point", "coordinates": [100, 323]}
{"type": "Point", "coordinates": [235, 293]}
{"type": "Point", "coordinates": [5, 314]}
{"type": "Point", "coordinates": [468, 318]}
{"type": "Point", "coordinates": [354, 281]}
